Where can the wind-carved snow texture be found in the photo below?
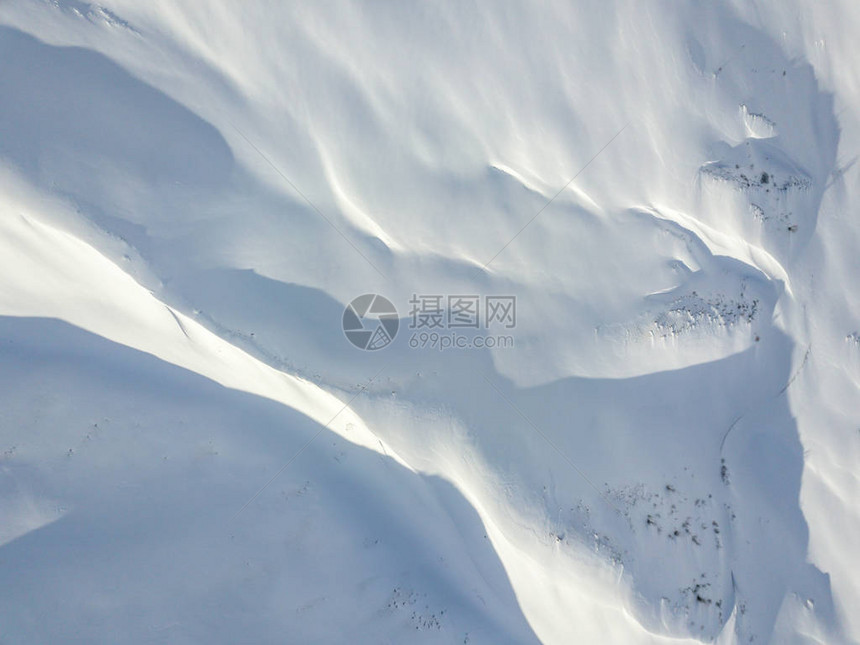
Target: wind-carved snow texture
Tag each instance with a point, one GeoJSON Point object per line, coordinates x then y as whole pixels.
{"type": "Point", "coordinates": [191, 451]}
{"type": "Point", "coordinates": [758, 125]}
{"type": "Point", "coordinates": [684, 521]}
{"type": "Point", "coordinates": [721, 297]}
{"type": "Point", "coordinates": [93, 13]}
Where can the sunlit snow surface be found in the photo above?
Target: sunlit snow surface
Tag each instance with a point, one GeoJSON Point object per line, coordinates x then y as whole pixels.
{"type": "Point", "coordinates": [192, 452]}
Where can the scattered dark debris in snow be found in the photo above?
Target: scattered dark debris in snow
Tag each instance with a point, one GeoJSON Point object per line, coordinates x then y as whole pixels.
{"type": "Point", "coordinates": [772, 193]}
{"type": "Point", "coordinates": [421, 617]}
{"type": "Point", "coordinates": [688, 311]}
{"type": "Point", "coordinates": [658, 511]}
{"type": "Point", "coordinates": [747, 178]}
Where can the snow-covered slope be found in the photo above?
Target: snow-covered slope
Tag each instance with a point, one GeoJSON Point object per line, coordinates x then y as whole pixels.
{"type": "Point", "coordinates": [191, 450]}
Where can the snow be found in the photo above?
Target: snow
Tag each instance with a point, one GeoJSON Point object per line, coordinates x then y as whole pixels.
{"type": "Point", "coordinates": [192, 193]}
